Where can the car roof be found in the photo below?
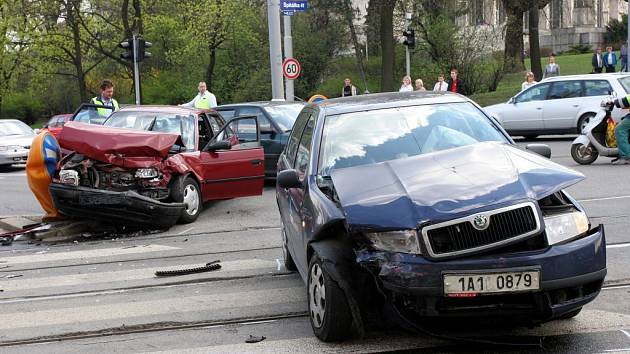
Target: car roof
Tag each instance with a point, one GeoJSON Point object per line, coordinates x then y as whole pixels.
{"type": "Point", "coordinates": [387, 100]}
{"type": "Point", "coordinates": [165, 109]}
{"type": "Point", "coordinates": [13, 120]}
{"type": "Point", "coordinates": [259, 104]}
{"type": "Point", "coordinates": [586, 77]}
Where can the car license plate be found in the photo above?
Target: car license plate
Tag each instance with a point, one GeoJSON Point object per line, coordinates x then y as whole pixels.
{"type": "Point", "coordinates": [472, 284]}
{"type": "Point", "coordinates": [17, 159]}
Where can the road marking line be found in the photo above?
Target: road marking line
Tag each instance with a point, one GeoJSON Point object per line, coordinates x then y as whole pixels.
{"type": "Point", "coordinates": [127, 311]}
{"type": "Point", "coordinates": [616, 287]}
{"type": "Point", "coordinates": [85, 279]}
{"type": "Point", "coordinates": [605, 198]}
{"type": "Point", "coordinates": [185, 231]}
{"type": "Point", "coordinates": [618, 245]}
{"type": "Point", "coordinates": [96, 253]}
{"type": "Point", "coordinates": [625, 332]}
{"type": "Point", "coordinates": [624, 350]}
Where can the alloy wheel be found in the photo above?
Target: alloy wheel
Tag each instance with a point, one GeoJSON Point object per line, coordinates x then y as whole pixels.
{"type": "Point", "coordinates": [317, 295]}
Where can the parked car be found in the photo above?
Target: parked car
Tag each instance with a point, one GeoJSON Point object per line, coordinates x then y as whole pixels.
{"type": "Point", "coordinates": [276, 120]}
{"type": "Point", "coordinates": [559, 105]}
{"type": "Point", "coordinates": [155, 165]}
{"type": "Point", "coordinates": [15, 141]}
{"type": "Point", "coordinates": [420, 205]}
{"type": "Point", "coordinates": [56, 123]}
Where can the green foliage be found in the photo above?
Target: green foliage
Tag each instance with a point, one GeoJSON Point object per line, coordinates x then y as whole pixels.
{"type": "Point", "coordinates": [579, 49]}
{"type": "Point", "coordinates": [24, 106]}
{"type": "Point", "coordinates": [617, 31]}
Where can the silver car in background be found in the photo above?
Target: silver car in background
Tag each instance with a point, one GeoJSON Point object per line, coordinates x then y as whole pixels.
{"type": "Point", "coordinates": [559, 105]}
{"type": "Point", "coordinates": [15, 141]}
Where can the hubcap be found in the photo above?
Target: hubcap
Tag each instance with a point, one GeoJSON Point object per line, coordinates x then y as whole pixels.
{"type": "Point", "coordinates": [584, 151]}
{"type": "Point", "coordinates": [317, 292]}
{"type": "Point", "coordinates": [191, 199]}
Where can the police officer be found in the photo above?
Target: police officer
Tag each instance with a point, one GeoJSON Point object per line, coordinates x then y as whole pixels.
{"type": "Point", "coordinates": [204, 99]}
{"type": "Point", "coordinates": [106, 99]}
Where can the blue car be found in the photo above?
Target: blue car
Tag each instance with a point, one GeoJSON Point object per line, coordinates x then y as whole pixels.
{"type": "Point", "coordinates": [419, 206]}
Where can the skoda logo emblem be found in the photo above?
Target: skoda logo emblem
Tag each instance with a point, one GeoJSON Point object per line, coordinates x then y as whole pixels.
{"type": "Point", "coordinates": [481, 222]}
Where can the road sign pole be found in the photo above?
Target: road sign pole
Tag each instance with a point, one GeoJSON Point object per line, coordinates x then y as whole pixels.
{"type": "Point", "coordinates": [288, 53]}
{"type": "Point", "coordinates": [136, 72]}
{"type": "Point", "coordinates": [275, 48]}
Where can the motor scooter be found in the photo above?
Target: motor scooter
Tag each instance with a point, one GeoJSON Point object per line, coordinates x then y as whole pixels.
{"type": "Point", "coordinates": [592, 142]}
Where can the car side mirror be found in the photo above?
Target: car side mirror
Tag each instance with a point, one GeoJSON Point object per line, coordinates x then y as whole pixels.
{"type": "Point", "coordinates": [288, 179]}
{"type": "Point", "coordinates": [540, 149]}
{"type": "Point", "coordinates": [37, 130]}
{"type": "Point", "coordinates": [511, 100]}
{"type": "Point", "coordinates": [218, 145]}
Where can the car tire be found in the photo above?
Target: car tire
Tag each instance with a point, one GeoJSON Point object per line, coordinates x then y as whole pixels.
{"type": "Point", "coordinates": [570, 314]}
{"type": "Point", "coordinates": [583, 121]}
{"type": "Point", "coordinates": [186, 190]}
{"type": "Point", "coordinates": [289, 264]}
{"type": "Point", "coordinates": [328, 308]}
{"type": "Point", "coordinates": [584, 155]}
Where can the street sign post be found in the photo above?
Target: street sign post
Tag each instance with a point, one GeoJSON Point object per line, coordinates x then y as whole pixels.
{"type": "Point", "coordinates": [291, 68]}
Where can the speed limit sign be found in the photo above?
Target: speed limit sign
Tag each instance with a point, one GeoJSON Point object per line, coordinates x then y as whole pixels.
{"type": "Point", "coordinates": [291, 68]}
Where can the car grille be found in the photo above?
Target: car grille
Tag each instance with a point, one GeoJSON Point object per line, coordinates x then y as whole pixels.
{"type": "Point", "coordinates": [458, 237]}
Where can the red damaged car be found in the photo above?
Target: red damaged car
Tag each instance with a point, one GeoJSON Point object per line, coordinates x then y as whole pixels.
{"type": "Point", "coordinates": [156, 165]}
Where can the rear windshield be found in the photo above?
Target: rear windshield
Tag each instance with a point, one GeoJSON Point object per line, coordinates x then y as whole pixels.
{"type": "Point", "coordinates": [183, 125]}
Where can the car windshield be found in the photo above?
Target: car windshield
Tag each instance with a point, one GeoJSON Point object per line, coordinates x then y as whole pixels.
{"type": "Point", "coordinates": [183, 125]}
{"type": "Point", "coordinates": [15, 128]}
{"type": "Point", "coordinates": [361, 138]}
{"type": "Point", "coordinates": [625, 82]}
{"type": "Point", "coordinates": [284, 115]}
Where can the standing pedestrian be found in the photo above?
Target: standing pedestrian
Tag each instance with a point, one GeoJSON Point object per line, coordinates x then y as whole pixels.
{"type": "Point", "coordinates": [406, 84]}
{"type": "Point", "coordinates": [440, 85]}
{"type": "Point", "coordinates": [597, 61]}
{"type": "Point", "coordinates": [455, 84]}
{"type": "Point", "coordinates": [204, 99]}
{"type": "Point", "coordinates": [420, 85]}
{"type": "Point", "coordinates": [106, 99]}
{"type": "Point", "coordinates": [348, 88]}
{"type": "Point", "coordinates": [623, 56]}
{"type": "Point", "coordinates": [552, 69]}
{"type": "Point", "coordinates": [610, 59]}
{"type": "Point", "coordinates": [529, 81]}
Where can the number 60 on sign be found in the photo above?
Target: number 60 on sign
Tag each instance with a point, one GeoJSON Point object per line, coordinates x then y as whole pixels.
{"type": "Point", "coordinates": [291, 68]}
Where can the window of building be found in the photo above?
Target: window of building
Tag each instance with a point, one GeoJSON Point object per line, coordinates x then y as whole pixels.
{"type": "Point", "coordinates": [556, 14]}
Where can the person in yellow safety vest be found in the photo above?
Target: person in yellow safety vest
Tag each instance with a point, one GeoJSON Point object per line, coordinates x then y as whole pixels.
{"type": "Point", "coordinates": [204, 99]}
{"type": "Point", "coordinates": [106, 99]}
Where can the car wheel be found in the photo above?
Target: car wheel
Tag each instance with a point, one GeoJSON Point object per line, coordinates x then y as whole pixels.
{"type": "Point", "coordinates": [570, 314]}
{"type": "Point", "coordinates": [583, 154]}
{"type": "Point", "coordinates": [289, 264]}
{"type": "Point", "coordinates": [186, 190]}
{"type": "Point", "coordinates": [530, 137]}
{"type": "Point", "coordinates": [583, 121]}
{"type": "Point", "coordinates": [328, 308]}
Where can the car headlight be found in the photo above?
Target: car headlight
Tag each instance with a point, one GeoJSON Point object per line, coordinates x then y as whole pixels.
{"type": "Point", "coordinates": [3, 148]}
{"type": "Point", "coordinates": [563, 227]}
{"type": "Point", "coordinates": [405, 241]}
{"type": "Point", "coordinates": [146, 173]}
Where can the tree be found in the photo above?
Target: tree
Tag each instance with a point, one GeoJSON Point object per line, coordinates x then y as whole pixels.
{"type": "Point", "coordinates": [349, 16]}
{"type": "Point", "coordinates": [515, 9]}
{"type": "Point", "coordinates": [386, 11]}
{"type": "Point", "coordinates": [534, 38]}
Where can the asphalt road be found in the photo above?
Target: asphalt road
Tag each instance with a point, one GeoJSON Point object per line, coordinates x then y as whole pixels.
{"type": "Point", "coordinates": [101, 295]}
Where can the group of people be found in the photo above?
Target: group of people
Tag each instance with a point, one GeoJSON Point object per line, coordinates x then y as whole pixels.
{"type": "Point", "coordinates": [453, 84]}
{"type": "Point", "coordinates": [608, 61]}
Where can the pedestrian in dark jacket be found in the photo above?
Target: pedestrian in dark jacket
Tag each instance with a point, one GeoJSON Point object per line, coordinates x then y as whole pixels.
{"type": "Point", "coordinates": [455, 84]}
{"type": "Point", "coordinates": [597, 61]}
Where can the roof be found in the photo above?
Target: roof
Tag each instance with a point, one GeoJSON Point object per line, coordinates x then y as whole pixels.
{"type": "Point", "coordinates": [260, 104]}
{"type": "Point", "coordinates": [163, 108]}
{"type": "Point", "coordinates": [586, 76]}
{"type": "Point", "coordinates": [387, 100]}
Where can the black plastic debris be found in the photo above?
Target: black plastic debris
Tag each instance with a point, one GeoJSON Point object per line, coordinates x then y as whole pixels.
{"type": "Point", "coordinates": [255, 339]}
{"type": "Point", "coordinates": [214, 265]}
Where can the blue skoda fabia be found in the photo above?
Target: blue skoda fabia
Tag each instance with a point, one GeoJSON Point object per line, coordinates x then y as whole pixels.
{"type": "Point", "coordinates": [419, 206]}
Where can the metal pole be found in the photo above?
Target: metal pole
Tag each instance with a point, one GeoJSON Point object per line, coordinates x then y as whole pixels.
{"type": "Point", "coordinates": [288, 53]}
{"type": "Point", "coordinates": [136, 72]}
{"type": "Point", "coordinates": [407, 55]}
{"type": "Point", "coordinates": [275, 48]}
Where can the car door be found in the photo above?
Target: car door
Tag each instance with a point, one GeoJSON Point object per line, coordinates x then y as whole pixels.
{"type": "Point", "coordinates": [269, 137]}
{"type": "Point", "coordinates": [525, 111]}
{"type": "Point", "coordinates": [237, 171]}
{"type": "Point", "coordinates": [563, 103]}
{"type": "Point", "coordinates": [287, 198]}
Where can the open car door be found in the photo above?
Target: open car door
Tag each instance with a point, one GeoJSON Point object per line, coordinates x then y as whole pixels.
{"type": "Point", "coordinates": [233, 161]}
{"type": "Point", "coordinates": [92, 113]}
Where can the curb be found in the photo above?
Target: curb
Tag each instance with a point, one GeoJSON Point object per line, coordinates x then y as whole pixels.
{"type": "Point", "coordinates": [17, 222]}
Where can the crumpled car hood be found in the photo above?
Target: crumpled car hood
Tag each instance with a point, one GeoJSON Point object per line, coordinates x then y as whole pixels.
{"type": "Point", "coordinates": [405, 193]}
{"type": "Point", "coordinates": [122, 147]}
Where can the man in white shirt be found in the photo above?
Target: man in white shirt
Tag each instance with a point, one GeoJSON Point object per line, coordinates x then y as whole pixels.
{"type": "Point", "coordinates": [441, 85]}
{"type": "Point", "coordinates": [204, 99]}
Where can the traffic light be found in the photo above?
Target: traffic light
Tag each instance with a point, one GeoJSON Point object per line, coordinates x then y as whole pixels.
{"type": "Point", "coordinates": [142, 45]}
{"type": "Point", "coordinates": [127, 45]}
{"type": "Point", "coordinates": [410, 38]}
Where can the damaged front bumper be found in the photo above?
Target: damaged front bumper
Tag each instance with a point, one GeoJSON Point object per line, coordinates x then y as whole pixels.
{"type": "Point", "coordinates": [127, 207]}
{"type": "Point", "coordinates": [571, 275]}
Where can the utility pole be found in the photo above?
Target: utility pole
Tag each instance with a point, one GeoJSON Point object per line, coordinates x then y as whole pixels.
{"type": "Point", "coordinates": [136, 71]}
{"type": "Point", "coordinates": [275, 48]}
{"type": "Point", "coordinates": [288, 53]}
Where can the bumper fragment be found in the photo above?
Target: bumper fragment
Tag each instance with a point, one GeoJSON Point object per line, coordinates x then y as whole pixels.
{"type": "Point", "coordinates": [127, 207]}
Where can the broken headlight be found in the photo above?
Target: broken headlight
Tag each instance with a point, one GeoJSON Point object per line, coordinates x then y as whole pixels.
{"type": "Point", "coordinates": [405, 241]}
{"type": "Point", "coordinates": [70, 177]}
{"type": "Point", "coordinates": [146, 173]}
{"type": "Point", "coordinates": [563, 227]}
